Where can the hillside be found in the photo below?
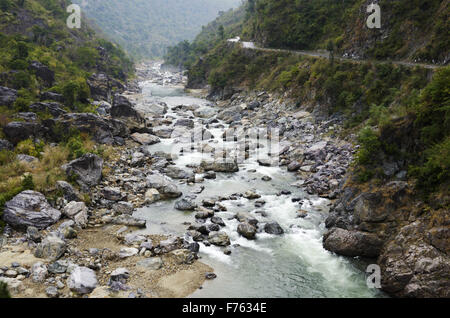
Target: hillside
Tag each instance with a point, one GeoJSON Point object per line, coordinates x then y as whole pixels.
{"type": "Point", "coordinates": [146, 28]}
{"type": "Point", "coordinates": [46, 70]}
{"type": "Point", "coordinates": [397, 115]}
{"type": "Point", "coordinates": [414, 30]}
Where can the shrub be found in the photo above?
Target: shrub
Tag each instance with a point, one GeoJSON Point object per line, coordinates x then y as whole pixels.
{"type": "Point", "coordinates": [22, 105]}
{"type": "Point", "coordinates": [369, 146]}
{"type": "Point", "coordinates": [4, 293]}
{"type": "Point", "coordinates": [27, 147]}
{"type": "Point", "coordinates": [76, 147]}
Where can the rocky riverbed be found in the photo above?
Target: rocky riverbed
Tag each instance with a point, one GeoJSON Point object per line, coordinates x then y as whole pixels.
{"type": "Point", "coordinates": [228, 182]}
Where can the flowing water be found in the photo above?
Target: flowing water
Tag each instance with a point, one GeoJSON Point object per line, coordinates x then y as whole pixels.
{"type": "Point", "coordinates": [292, 265]}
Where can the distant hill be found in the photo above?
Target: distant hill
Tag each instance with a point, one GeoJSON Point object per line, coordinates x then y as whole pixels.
{"type": "Point", "coordinates": [145, 28]}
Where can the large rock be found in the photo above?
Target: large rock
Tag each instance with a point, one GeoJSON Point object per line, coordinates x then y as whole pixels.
{"type": "Point", "coordinates": [165, 186]}
{"type": "Point", "coordinates": [411, 264]}
{"type": "Point", "coordinates": [352, 243]}
{"type": "Point", "coordinates": [273, 228]}
{"type": "Point", "coordinates": [55, 109]}
{"type": "Point", "coordinates": [30, 208]}
{"type": "Point", "coordinates": [19, 131]}
{"type": "Point", "coordinates": [43, 72]}
{"type": "Point", "coordinates": [145, 139]}
{"type": "Point", "coordinates": [78, 212]}
{"type": "Point", "coordinates": [87, 170]}
{"type": "Point", "coordinates": [122, 108]}
{"type": "Point", "coordinates": [220, 166]}
{"type": "Point", "coordinates": [219, 238]}
{"type": "Point", "coordinates": [185, 204]}
{"type": "Point", "coordinates": [82, 280]}
{"type": "Point", "coordinates": [7, 96]}
{"type": "Point", "coordinates": [52, 248]}
{"type": "Point", "coordinates": [176, 173]}
{"type": "Point", "coordinates": [246, 230]}
{"type": "Point", "coordinates": [103, 130]}
{"type": "Point", "coordinates": [99, 86]}
{"type": "Point", "coordinates": [112, 194]}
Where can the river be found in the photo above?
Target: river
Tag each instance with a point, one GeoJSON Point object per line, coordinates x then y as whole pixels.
{"type": "Point", "coordinates": [291, 265]}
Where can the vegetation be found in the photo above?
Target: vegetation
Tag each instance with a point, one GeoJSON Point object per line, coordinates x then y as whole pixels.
{"type": "Point", "coordinates": [71, 55]}
{"type": "Point", "coordinates": [4, 293]}
{"type": "Point", "coordinates": [399, 114]}
{"type": "Point", "coordinates": [145, 28]}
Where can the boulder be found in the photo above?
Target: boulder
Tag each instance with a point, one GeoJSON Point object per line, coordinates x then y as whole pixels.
{"type": "Point", "coordinates": [176, 173]}
{"type": "Point", "coordinates": [352, 243]}
{"type": "Point", "coordinates": [246, 230]}
{"type": "Point", "coordinates": [128, 220]}
{"type": "Point", "coordinates": [78, 212]}
{"type": "Point", "coordinates": [220, 166]}
{"type": "Point", "coordinates": [38, 272]}
{"type": "Point", "coordinates": [82, 280]}
{"type": "Point", "coordinates": [165, 186]}
{"type": "Point", "coordinates": [185, 204]}
{"type": "Point", "coordinates": [145, 139]}
{"type": "Point", "coordinates": [128, 252]}
{"type": "Point", "coordinates": [151, 196]}
{"type": "Point", "coordinates": [87, 170]}
{"type": "Point", "coordinates": [112, 194]}
{"type": "Point", "coordinates": [55, 109]}
{"type": "Point", "coordinates": [123, 207]}
{"type": "Point", "coordinates": [273, 228]}
{"type": "Point", "coordinates": [294, 166]}
{"type": "Point", "coordinates": [185, 123]}
{"type": "Point", "coordinates": [7, 96]}
{"type": "Point", "coordinates": [219, 238]}
{"type": "Point", "coordinates": [122, 108]}
{"type": "Point", "coordinates": [30, 208]}
{"type": "Point", "coordinates": [18, 131]}
{"type": "Point", "coordinates": [103, 130]}
{"type": "Point", "coordinates": [51, 247]}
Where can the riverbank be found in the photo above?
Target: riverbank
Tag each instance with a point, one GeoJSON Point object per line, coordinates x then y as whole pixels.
{"type": "Point", "coordinates": [245, 185]}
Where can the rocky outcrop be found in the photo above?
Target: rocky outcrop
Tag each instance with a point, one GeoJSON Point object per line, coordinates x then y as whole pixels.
{"type": "Point", "coordinates": [352, 243]}
{"type": "Point", "coordinates": [52, 96]}
{"type": "Point", "coordinates": [7, 96]}
{"type": "Point", "coordinates": [18, 131]}
{"type": "Point", "coordinates": [30, 208]}
{"type": "Point", "coordinates": [103, 130]}
{"type": "Point", "coordinates": [87, 170]}
{"type": "Point", "coordinates": [389, 224]}
{"type": "Point", "coordinates": [55, 109]}
{"type": "Point", "coordinates": [43, 72]}
{"type": "Point", "coordinates": [101, 86]}
{"type": "Point", "coordinates": [123, 108]}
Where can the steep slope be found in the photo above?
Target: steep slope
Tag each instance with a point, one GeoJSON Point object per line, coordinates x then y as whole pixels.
{"type": "Point", "coordinates": [48, 70]}
{"type": "Point", "coordinates": [413, 30]}
{"type": "Point", "coordinates": [396, 196]}
{"type": "Point", "coordinates": [146, 28]}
